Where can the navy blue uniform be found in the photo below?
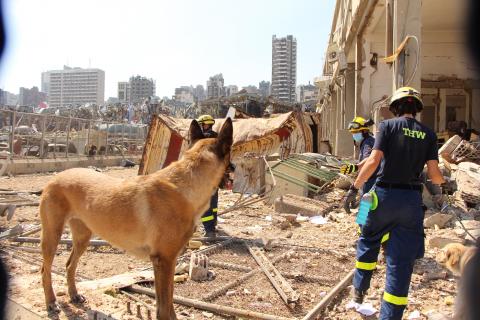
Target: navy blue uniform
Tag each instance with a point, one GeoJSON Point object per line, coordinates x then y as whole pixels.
{"type": "Point", "coordinates": [406, 145]}
{"type": "Point", "coordinates": [209, 218]}
{"type": "Point", "coordinates": [366, 147]}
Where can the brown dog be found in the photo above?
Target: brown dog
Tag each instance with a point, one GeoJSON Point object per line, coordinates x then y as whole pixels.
{"type": "Point", "coordinates": [454, 256]}
{"type": "Point", "coordinates": [149, 216]}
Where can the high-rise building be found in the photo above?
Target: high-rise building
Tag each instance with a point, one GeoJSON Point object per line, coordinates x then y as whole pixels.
{"type": "Point", "coordinates": [199, 93]}
{"type": "Point", "coordinates": [215, 87]}
{"type": "Point", "coordinates": [141, 88]}
{"type": "Point", "coordinates": [8, 98]}
{"type": "Point", "coordinates": [73, 86]}
{"type": "Point", "coordinates": [264, 88]}
{"type": "Point", "coordinates": [123, 90]}
{"type": "Point", "coordinates": [284, 68]}
{"type": "Point", "coordinates": [231, 90]}
{"type": "Point", "coordinates": [31, 97]}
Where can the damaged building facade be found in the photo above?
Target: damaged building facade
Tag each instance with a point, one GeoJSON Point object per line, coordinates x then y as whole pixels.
{"type": "Point", "coordinates": [377, 46]}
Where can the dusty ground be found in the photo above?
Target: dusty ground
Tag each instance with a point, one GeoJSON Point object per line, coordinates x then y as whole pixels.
{"type": "Point", "coordinates": [336, 238]}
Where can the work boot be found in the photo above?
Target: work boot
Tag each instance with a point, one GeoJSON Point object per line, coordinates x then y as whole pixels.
{"type": "Point", "coordinates": [358, 296]}
{"type": "Point", "coordinates": [211, 234]}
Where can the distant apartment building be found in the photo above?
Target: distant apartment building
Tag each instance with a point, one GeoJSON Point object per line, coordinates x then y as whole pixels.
{"type": "Point", "coordinates": [264, 88]}
{"type": "Point", "coordinates": [284, 68]}
{"type": "Point", "coordinates": [251, 89]}
{"type": "Point", "coordinates": [73, 86]}
{"type": "Point", "coordinates": [31, 97]}
{"type": "Point", "coordinates": [199, 93]}
{"type": "Point", "coordinates": [185, 94]}
{"type": "Point", "coordinates": [8, 98]}
{"type": "Point", "coordinates": [123, 92]}
{"type": "Point", "coordinates": [215, 86]}
{"type": "Point", "coordinates": [141, 88]}
{"type": "Point", "coordinates": [306, 93]}
{"type": "Point", "coordinates": [45, 83]}
{"type": "Point", "coordinates": [231, 90]}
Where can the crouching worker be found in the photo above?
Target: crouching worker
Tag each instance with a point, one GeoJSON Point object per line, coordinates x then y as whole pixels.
{"type": "Point", "coordinates": [403, 146]}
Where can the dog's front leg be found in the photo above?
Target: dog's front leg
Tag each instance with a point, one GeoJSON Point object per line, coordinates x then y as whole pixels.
{"type": "Point", "coordinates": [164, 270]}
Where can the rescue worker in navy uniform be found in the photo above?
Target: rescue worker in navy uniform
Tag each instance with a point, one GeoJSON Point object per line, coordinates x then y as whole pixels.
{"type": "Point", "coordinates": [209, 218]}
{"type": "Point", "coordinates": [402, 146]}
{"type": "Point", "coordinates": [360, 129]}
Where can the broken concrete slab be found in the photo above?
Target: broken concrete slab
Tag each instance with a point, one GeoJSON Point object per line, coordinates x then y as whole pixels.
{"type": "Point", "coordinates": [117, 281]}
{"type": "Point", "coordinates": [199, 267]}
{"type": "Point", "coordinates": [440, 242]}
{"type": "Point", "coordinates": [294, 204]}
{"type": "Point", "coordinates": [468, 224]}
{"type": "Point", "coordinates": [439, 219]}
{"type": "Point", "coordinates": [468, 182]}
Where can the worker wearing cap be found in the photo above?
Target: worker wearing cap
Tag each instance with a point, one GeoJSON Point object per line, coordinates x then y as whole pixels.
{"type": "Point", "coordinates": [402, 148]}
{"type": "Point", "coordinates": [209, 218]}
{"type": "Point", "coordinates": [360, 129]}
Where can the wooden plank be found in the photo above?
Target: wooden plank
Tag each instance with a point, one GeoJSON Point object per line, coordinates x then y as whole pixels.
{"type": "Point", "coordinates": [283, 287]}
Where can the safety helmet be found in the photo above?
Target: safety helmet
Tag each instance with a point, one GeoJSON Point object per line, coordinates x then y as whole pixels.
{"type": "Point", "coordinates": [359, 124]}
{"type": "Point", "coordinates": [411, 94]}
{"type": "Point", "coordinates": [206, 119]}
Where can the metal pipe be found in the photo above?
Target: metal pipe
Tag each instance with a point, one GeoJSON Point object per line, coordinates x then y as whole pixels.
{"type": "Point", "coordinates": [216, 308]}
{"type": "Point", "coordinates": [329, 297]}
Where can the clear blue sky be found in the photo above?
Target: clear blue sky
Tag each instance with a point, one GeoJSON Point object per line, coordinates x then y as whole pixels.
{"type": "Point", "coordinates": [176, 43]}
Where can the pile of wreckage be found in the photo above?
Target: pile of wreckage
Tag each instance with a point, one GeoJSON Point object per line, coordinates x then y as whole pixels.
{"type": "Point", "coordinates": [457, 219]}
{"type": "Point", "coordinates": [281, 161]}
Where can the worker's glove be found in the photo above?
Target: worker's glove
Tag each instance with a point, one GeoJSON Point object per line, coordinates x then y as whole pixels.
{"type": "Point", "coordinates": [348, 168]}
{"type": "Point", "coordinates": [438, 201]}
{"type": "Point", "coordinates": [350, 199]}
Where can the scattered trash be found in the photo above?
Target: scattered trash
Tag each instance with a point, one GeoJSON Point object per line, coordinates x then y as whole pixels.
{"type": "Point", "coordinates": [268, 218]}
{"type": "Point", "coordinates": [365, 309]}
{"type": "Point", "coordinates": [414, 315]}
{"type": "Point", "coordinates": [318, 220]}
{"type": "Point", "coordinates": [301, 218]}
{"type": "Point", "coordinates": [220, 220]}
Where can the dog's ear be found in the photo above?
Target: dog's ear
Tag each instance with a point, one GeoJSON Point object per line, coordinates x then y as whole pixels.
{"type": "Point", "coordinates": [225, 139]}
{"type": "Point", "coordinates": [453, 257]}
{"type": "Point", "coordinates": [195, 132]}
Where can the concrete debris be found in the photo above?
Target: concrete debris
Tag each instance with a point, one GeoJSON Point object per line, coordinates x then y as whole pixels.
{"type": "Point", "coordinates": [438, 219]}
{"type": "Point", "coordinates": [182, 268]}
{"type": "Point", "coordinates": [294, 204]}
{"type": "Point", "coordinates": [434, 315]}
{"type": "Point", "coordinates": [7, 210]}
{"type": "Point", "coordinates": [440, 242]}
{"type": "Point", "coordinates": [456, 150]}
{"type": "Point", "coordinates": [12, 232]}
{"type": "Point", "coordinates": [468, 182]}
{"type": "Point", "coordinates": [199, 268]}
{"type": "Point", "coordinates": [430, 276]}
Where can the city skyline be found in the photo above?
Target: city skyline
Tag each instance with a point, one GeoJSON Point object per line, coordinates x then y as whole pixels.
{"type": "Point", "coordinates": [174, 49]}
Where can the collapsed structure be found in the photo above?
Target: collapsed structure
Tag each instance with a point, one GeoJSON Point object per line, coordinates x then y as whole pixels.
{"type": "Point", "coordinates": [380, 45]}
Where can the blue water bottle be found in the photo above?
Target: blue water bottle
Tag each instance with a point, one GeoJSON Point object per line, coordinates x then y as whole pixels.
{"type": "Point", "coordinates": [364, 208]}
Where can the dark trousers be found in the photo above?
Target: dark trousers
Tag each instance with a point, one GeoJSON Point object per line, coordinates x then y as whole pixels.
{"type": "Point", "coordinates": [209, 218]}
{"type": "Point", "coordinates": [399, 214]}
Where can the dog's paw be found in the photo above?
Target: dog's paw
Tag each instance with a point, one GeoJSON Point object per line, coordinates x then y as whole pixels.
{"type": "Point", "coordinates": [52, 308]}
{"type": "Point", "coordinates": [78, 298]}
